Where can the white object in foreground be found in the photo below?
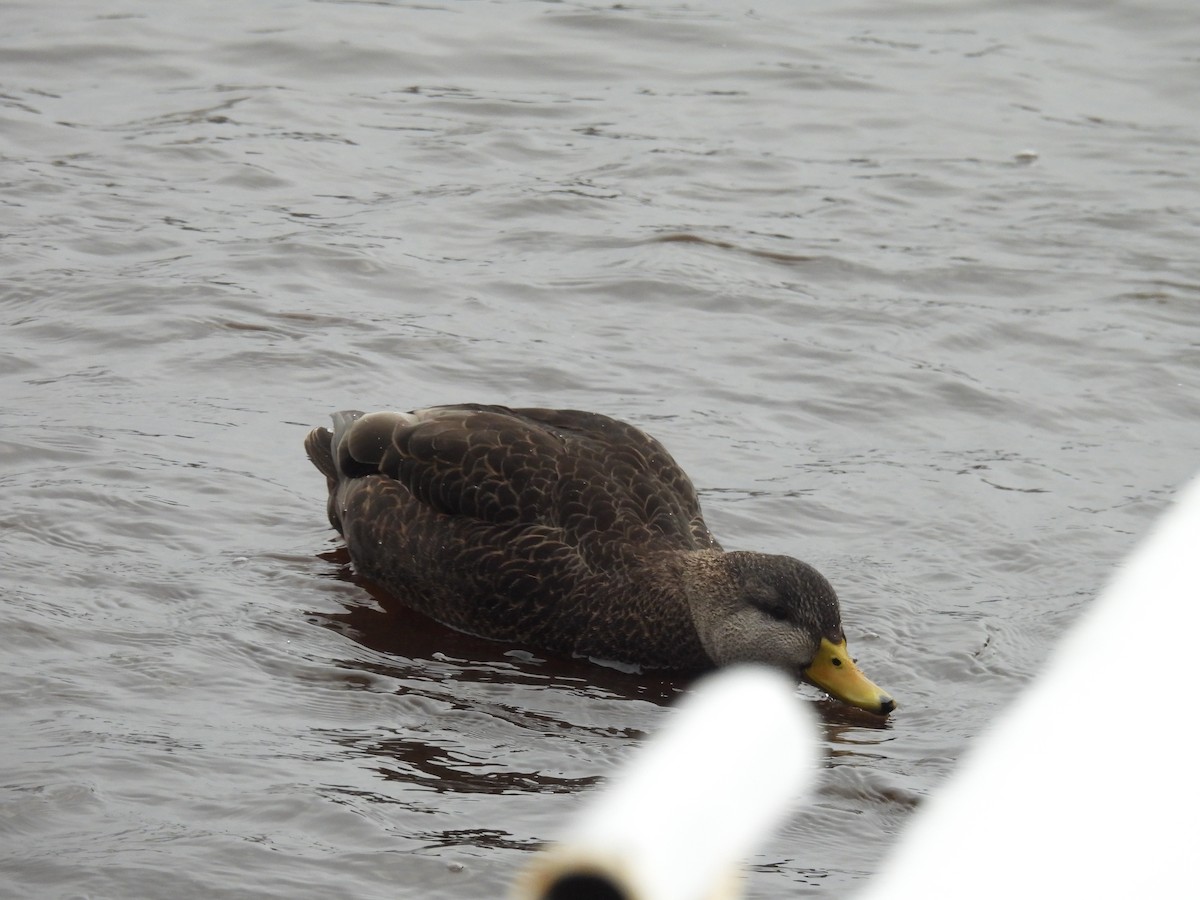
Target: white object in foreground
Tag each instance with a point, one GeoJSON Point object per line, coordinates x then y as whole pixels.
{"type": "Point", "coordinates": [692, 804]}
{"type": "Point", "coordinates": [1087, 787]}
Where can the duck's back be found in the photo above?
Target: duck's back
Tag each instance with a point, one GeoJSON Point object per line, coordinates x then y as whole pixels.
{"type": "Point", "coordinates": [500, 521]}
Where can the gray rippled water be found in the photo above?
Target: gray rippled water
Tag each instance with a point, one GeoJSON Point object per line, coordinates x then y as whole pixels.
{"type": "Point", "coordinates": [910, 290]}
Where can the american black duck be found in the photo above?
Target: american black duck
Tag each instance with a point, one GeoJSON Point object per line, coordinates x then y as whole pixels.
{"type": "Point", "coordinates": [570, 532]}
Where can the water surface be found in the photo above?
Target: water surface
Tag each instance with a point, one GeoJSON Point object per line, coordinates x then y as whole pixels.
{"type": "Point", "coordinates": [910, 292]}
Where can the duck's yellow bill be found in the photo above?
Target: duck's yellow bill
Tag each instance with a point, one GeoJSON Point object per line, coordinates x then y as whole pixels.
{"type": "Point", "coordinates": [834, 672]}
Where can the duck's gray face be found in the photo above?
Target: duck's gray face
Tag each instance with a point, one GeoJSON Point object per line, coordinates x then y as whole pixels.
{"type": "Point", "coordinates": [784, 613]}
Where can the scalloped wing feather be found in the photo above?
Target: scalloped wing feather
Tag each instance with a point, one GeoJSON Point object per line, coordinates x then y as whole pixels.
{"type": "Point", "coordinates": [611, 489]}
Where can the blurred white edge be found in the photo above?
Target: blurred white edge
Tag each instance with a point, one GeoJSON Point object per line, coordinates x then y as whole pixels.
{"type": "Point", "coordinates": [1086, 786]}
{"type": "Point", "coordinates": [701, 795]}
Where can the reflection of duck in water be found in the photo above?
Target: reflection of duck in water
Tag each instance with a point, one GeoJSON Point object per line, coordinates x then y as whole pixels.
{"type": "Point", "coordinates": [571, 532]}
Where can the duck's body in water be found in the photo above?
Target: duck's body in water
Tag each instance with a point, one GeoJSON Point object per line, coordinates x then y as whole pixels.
{"type": "Point", "coordinates": [570, 532]}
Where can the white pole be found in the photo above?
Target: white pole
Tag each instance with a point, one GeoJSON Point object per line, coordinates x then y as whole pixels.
{"type": "Point", "coordinates": [676, 823]}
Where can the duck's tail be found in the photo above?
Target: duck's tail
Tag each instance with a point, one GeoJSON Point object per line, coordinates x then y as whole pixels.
{"type": "Point", "coordinates": [321, 446]}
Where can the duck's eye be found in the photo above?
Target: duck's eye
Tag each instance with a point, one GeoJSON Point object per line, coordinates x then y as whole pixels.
{"type": "Point", "coordinates": [778, 613]}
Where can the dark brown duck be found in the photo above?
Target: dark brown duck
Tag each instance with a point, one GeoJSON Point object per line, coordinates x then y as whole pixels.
{"type": "Point", "coordinates": [570, 532]}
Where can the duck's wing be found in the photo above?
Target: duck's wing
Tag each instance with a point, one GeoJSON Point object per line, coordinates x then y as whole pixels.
{"type": "Point", "coordinates": [607, 486]}
{"type": "Point", "coordinates": [660, 489]}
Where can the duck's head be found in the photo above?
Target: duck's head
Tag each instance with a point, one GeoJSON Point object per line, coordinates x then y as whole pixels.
{"type": "Point", "coordinates": [782, 612]}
